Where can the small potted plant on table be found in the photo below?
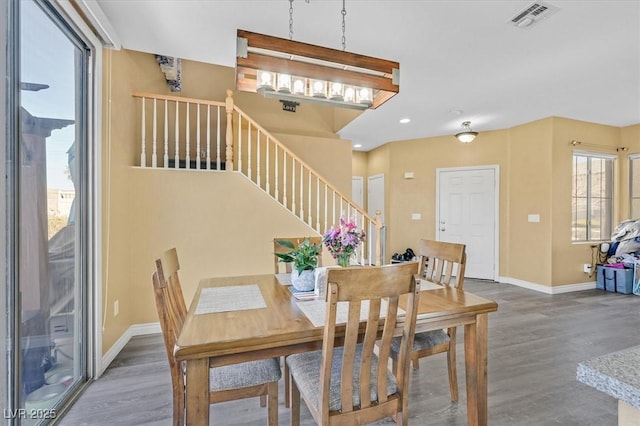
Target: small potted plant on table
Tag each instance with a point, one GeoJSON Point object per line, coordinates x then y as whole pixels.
{"type": "Point", "coordinates": [304, 259]}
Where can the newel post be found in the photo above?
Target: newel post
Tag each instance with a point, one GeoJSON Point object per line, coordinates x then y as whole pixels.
{"type": "Point", "coordinates": [229, 135]}
{"type": "Point", "coordinates": [378, 237]}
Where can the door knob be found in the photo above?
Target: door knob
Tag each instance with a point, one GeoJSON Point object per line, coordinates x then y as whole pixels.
{"type": "Point", "coordinates": [442, 222]}
{"type": "Point", "coordinates": [442, 229]}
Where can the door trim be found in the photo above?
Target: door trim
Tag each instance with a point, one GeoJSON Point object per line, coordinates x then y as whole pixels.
{"type": "Point", "coordinates": [496, 219]}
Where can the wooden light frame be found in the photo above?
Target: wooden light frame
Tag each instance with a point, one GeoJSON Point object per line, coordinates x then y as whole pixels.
{"type": "Point", "coordinates": [266, 53]}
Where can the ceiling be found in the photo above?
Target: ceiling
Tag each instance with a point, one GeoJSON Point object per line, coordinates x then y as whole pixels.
{"type": "Point", "coordinates": [459, 60]}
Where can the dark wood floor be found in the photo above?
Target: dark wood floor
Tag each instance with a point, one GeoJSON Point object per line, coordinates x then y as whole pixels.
{"type": "Point", "coordinates": [535, 343]}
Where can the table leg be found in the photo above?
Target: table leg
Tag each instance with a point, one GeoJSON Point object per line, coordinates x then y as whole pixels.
{"type": "Point", "coordinates": [197, 392]}
{"type": "Point", "coordinates": [475, 355]}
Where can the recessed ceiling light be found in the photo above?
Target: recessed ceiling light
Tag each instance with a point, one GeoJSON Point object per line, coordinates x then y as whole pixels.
{"type": "Point", "coordinates": [405, 120]}
{"type": "Point", "coordinates": [358, 145]}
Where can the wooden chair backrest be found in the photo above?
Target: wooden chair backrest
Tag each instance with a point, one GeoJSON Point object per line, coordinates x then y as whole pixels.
{"type": "Point", "coordinates": [355, 285]}
{"type": "Point", "coordinates": [440, 259]}
{"type": "Point", "coordinates": [277, 248]}
{"type": "Point", "coordinates": [169, 320]}
{"type": "Point", "coordinates": [168, 266]}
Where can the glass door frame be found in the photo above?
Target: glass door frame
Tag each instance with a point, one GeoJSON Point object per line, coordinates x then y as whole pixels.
{"type": "Point", "coordinates": [68, 20]}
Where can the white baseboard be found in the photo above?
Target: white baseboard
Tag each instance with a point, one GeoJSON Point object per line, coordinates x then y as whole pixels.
{"type": "Point", "coordinates": [134, 330]}
{"type": "Point", "coordinates": [546, 289]}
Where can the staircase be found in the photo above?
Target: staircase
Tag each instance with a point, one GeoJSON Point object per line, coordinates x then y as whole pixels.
{"type": "Point", "coordinates": [186, 133]}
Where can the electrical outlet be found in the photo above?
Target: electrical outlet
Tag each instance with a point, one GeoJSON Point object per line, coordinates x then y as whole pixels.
{"type": "Point", "coordinates": [587, 268]}
{"type": "Point", "coordinates": [116, 308]}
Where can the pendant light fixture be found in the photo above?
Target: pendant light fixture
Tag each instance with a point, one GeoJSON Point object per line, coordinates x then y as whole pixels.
{"type": "Point", "coordinates": [466, 135]}
{"type": "Point", "coordinates": [294, 71]}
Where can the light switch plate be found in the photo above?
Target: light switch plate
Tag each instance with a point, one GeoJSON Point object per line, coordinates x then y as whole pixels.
{"type": "Point", "coordinates": [416, 216]}
{"type": "Point", "coordinates": [534, 218]}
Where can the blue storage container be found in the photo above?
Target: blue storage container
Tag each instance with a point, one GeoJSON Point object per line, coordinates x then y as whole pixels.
{"type": "Point", "coordinates": [616, 280]}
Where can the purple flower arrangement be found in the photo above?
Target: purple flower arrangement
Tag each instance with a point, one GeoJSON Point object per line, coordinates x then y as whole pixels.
{"type": "Point", "coordinates": [343, 241]}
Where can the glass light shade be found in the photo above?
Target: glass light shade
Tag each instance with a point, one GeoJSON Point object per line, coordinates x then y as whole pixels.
{"type": "Point", "coordinates": [364, 96]}
{"type": "Point", "coordinates": [336, 91]}
{"type": "Point", "coordinates": [299, 85]}
{"type": "Point", "coordinates": [349, 94]}
{"type": "Point", "coordinates": [266, 80]}
{"type": "Point", "coordinates": [284, 83]}
{"type": "Point", "coordinates": [318, 88]}
{"type": "Point", "coordinates": [466, 137]}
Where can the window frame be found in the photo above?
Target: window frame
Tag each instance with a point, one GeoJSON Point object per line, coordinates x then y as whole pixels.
{"type": "Point", "coordinates": [589, 229]}
{"type": "Point", "coordinates": [632, 157]}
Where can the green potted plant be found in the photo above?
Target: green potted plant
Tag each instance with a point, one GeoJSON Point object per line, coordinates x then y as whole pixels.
{"type": "Point", "coordinates": [304, 259]}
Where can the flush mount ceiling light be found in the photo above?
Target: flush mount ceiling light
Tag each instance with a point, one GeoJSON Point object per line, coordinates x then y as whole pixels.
{"type": "Point", "coordinates": [290, 70]}
{"type": "Point", "coordinates": [466, 135]}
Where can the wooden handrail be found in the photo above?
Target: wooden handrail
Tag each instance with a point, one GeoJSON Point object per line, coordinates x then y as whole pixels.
{"type": "Point", "coordinates": [176, 98]}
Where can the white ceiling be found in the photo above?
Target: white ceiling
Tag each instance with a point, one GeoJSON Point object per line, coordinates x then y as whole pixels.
{"type": "Point", "coordinates": [583, 62]}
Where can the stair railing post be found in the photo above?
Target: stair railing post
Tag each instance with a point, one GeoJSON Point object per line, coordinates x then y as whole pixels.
{"type": "Point", "coordinates": [378, 226]}
{"type": "Point", "coordinates": [229, 137]}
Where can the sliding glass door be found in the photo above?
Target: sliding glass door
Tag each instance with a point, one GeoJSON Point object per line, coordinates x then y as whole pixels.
{"type": "Point", "coordinates": [48, 297]}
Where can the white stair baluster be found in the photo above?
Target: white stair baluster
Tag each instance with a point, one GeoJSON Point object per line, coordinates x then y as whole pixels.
{"type": "Point", "coordinates": [267, 175]}
{"type": "Point", "coordinates": [177, 133]}
{"type": "Point", "coordinates": [218, 141]}
{"type": "Point", "coordinates": [154, 158]}
{"type": "Point", "coordinates": [309, 219]}
{"type": "Point", "coordinates": [166, 134]}
{"type": "Point", "coordinates": [239, 143]}
{"type": "Point", "coordinates": [275, 153]}
{"type": "Point", "coordinates": [198, 153]}
{"type": "Point", "coordinates": [188, 134]}
{"type": "Point", "coordinates": [293, 184]}
{"type": "Point", "coordinates": [317, 204]}
{"type": "Point", "coordinates": [208, 137]}
{"type": "Point", "coordinates": [301, 192]}
{"type": "Point", "coordinates": [258, 158]}
{"type": "Point", "coordinates": [143, 155]}
{"type": "Point", "coordinates": [284, 178]}
{"type": "Point", "coordinates": [326, 205]}
{"type": "Point", "coordinates": [249, 143]}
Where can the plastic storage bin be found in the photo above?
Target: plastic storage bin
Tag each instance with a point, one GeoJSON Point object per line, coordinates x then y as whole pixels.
{"type": "Point", "coordinates": [616, 280]}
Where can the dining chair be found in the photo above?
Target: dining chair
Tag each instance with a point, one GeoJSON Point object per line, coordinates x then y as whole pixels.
{"type": "Point", "coordinates": [227, 383]}
{"type": "Point", "coordinates": [438, 262]}
{"type": "Point", "coordinates": [278, 248]}
{"type": "Point", "coordinates": [346, 383]}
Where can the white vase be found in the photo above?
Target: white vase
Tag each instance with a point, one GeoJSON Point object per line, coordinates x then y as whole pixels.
{"type": "Point", "coordinates": [304, 281]}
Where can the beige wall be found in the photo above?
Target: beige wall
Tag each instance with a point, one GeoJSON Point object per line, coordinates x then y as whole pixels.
{"type": "Point", "coordinates": [220, 222]}
{"type": "Point", "coordinates": [527, 246]}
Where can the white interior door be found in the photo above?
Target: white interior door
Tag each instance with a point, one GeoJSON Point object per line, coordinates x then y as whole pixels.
{"type": "Point", "coordinates": [467, 213]}
{"type": "Point", "coordinates": [357, 190]}
{"type": "Point", "coordinates": [375, 201]}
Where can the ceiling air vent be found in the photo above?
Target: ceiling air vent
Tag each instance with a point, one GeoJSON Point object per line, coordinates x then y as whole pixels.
{"type": "Point", "coordinates": [533, 14]}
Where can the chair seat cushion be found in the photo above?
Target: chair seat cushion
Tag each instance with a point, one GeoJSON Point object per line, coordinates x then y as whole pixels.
{"type": "Point", "coordinates": [427, 339]}
{"type": "Point", "coordinates": [305, 369]}
{"type": "Point", "coordinates": [251, 373]}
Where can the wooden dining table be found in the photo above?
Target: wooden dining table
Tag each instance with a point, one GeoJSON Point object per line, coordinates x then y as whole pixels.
{"type": "Point", "coordinates": [280, 328]}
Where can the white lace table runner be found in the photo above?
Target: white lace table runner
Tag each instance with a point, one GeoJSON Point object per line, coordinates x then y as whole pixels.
{"type": "Point", "coordinates": [231, 298]}
{"type": "Point", "coordinates": [316, 311]}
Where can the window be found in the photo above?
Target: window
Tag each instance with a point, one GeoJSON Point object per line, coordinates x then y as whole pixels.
{"type": "Point", "coordinates": [634, 186]}
{"type": "Point", "coordinates": [592, 197]}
